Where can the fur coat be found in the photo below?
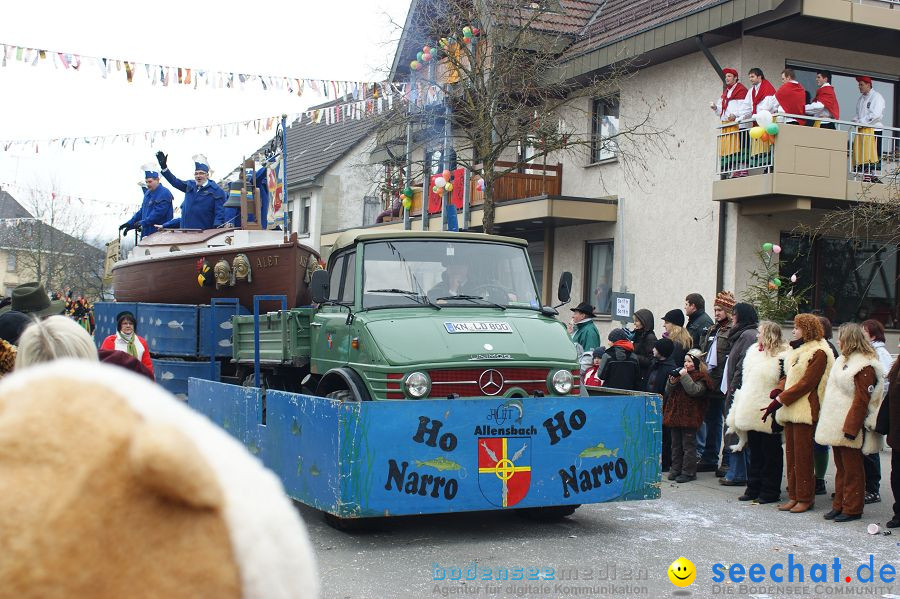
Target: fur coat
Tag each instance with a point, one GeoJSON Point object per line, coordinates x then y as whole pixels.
{"type": "Point", "coordinates": [685, 403]}
{"type": "Point", "coordinates": [839, 399]}
{"type": "Point", "coordinates": [761, 374]}
{"type": "Point", "coordinates": [795, 365]}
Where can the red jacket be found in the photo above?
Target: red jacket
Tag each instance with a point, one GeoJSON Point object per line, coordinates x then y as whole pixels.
{"type": "Point", "coordinates": [115, 342]}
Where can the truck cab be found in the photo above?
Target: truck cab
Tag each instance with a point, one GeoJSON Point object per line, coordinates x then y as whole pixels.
{"type": "Point", "coordinates": [416, 315]}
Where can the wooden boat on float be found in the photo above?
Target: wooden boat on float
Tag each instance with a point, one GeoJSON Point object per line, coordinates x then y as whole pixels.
{"type": "Point", "coordinates": [183, 266]}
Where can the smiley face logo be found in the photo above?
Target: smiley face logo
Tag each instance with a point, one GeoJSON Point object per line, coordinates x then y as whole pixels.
{"type": "Point", "coordinates": [682, 572]}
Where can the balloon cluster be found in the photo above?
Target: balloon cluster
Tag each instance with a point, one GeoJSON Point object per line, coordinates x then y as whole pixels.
{"type": "Point", "coordinates": [469, 34]}
{"type": "Point", "coordinates": [775, 283]}
{"type": "Point", "coordinates": [426, 54]}
{"type": "Point", "coordinates": [442, 183]}
{"type": "Point", "coordinates": [766, 129]}
{"type": "Point", "coordinates": [406, 197]}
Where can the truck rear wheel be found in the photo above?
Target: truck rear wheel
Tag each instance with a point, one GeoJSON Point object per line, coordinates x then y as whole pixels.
{"type": "Point", "coordinates": [548, 514]}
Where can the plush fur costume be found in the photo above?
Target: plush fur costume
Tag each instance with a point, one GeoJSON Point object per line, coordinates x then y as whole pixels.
{"type": "Point", "coordinates": [761, 374]}
{"type": "Point", "coordinates": [838, 399]}
{"type": "Point", "coordinates": [111, 488]}
{"type": "Point", "coordinates": [795, 364]}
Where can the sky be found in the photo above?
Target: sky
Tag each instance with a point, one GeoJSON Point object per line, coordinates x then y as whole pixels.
{"type": "Point", "coordinates": [352, 40]}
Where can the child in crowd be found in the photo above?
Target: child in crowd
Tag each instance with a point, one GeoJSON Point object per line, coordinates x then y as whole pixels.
{"type": "Point", "coordinates": [683, 412]}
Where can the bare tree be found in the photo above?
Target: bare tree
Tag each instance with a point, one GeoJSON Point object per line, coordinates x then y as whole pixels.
{"type": "Point", "coordinates": [506, 89]}
{"type": "Point", "coordinates": [53, 246]}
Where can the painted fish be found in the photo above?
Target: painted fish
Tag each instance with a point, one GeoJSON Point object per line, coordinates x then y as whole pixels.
{"type": "Point", "coordinates": [225, 343]}
{"type": "Point", "coordinates": [440, 463]}
{"type": "Point", "coordinates": [314, 471]}
{"type": "Point", "coordinates": [226, 325]}
{"type": "Point", "coordinates": [167, 376]}
{"type": "Point", "coordinates": [157, 323]}
{"type": "Point", "coordinates": [598, 451]}
{"type": "Point", "coordinates": [174, 324]}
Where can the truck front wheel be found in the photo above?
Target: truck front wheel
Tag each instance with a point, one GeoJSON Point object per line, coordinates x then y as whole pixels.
{"type": "Point", "coordinates": [343, 395]}
{"type": "Point", "coordinates": [547, 514]}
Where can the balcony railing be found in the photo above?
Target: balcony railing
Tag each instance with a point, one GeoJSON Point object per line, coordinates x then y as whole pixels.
{"type": "Point", "coordinates": [870, 155]}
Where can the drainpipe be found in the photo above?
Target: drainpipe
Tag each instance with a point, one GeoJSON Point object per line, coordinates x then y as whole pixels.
{"type": "Point", "coordinates": [407, 178]}
{"type": "Point", "coordinates": [720, 255]}
{"type": "Point", "coordinates": [621, 204]}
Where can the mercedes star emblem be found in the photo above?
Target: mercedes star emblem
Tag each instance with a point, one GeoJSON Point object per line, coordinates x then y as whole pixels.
{"type": "Point", "coordinates": [491, 382]}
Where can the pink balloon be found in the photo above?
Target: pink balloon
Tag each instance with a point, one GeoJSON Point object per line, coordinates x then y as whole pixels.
{"type": "Point", "coordinates": [426, 56]}
{"type": "Point", "coordinates": [793, 278]}
{"type": "Point", "coordinates": [776, 249]}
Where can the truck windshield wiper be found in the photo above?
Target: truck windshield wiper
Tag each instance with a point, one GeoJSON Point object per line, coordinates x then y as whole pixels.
{"type": "Point", "coordinates": [473, 299]}
{"type": "Point", "coordinates": [422, 299]}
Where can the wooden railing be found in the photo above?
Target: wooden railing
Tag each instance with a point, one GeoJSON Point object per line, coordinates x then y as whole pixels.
{"type": "Point", "coordinates": [532, 181]}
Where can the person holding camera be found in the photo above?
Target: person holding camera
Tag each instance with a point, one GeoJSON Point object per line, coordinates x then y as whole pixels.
{"type": "Point", "coordinates": [683, 412]}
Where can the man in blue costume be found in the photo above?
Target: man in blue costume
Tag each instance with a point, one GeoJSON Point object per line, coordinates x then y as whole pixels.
{"type": "Point", "coordinates": [233, 213]}
{"type": "Point", "coordinates": [156, 207]}
{"type": "Point", "coordinates": [203, 206]}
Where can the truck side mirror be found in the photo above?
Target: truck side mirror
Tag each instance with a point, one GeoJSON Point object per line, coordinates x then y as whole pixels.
{"type": "Point", "coordinates": [564, 293]}
{"type": "Point", "coordinates": [319, 286]}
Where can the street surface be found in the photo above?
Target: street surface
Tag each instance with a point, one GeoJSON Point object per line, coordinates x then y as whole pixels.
{"type": "Point", "coordinates": [701, 520]}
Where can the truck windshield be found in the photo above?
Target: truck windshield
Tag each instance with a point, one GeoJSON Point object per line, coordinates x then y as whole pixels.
{"type": "Point", "coordinates": [447, 272]}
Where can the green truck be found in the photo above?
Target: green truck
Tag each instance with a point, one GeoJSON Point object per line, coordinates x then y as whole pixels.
{"type": "Point", "coordinates": [416, 315]}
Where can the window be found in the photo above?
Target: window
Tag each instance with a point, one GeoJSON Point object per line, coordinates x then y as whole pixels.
{"type": "Point", "coordinates": [11, 263]}
{"type": "Point", "coordinates": [303, 227]}
{"type": "Point", "coordinates": [604, 124]}
{"type": "Point", "coordinates": [598, 278]}
{"type": "Point", "coordinates": [847, 91]}
{"type": "Point", "coordinates": [334, 281]}
{"type": "Point", "coordinates": [289, 213]}
{"type": "Point", "coordinates": [850, 280]}
{"type": "Point", "coordinates": [349, 285]}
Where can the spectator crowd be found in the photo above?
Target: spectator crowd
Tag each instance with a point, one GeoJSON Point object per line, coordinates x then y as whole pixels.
{"type": "Point", "coordinates": [743, 402]}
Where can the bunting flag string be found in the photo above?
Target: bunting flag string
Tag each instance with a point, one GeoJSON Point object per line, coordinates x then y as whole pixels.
{"type": "Point", "coordinates": [223, 130]}
{"type": "Point", "coordinates": [181, 76]}
{"type": "Point", "coordinates": [421, 94]}
{"type": "Point", "coordinates": [114, 208]}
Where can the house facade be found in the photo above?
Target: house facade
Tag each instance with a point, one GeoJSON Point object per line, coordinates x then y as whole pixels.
{"type": "Point", "coordinates": [676, 222]}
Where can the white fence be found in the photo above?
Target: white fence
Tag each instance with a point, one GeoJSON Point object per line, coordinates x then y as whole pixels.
{"type": "Point", "coordinates": [872, 154]}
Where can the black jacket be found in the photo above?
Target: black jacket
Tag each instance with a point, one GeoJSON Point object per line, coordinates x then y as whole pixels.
{"type": "Point", "coordinates": [696, 324]}
{"type": "Point", "coordinates": [621, 370]}
{"type": "Point", "coordinates": [644, 339]}
{"type": "Point", "coordinates": [656, 376]}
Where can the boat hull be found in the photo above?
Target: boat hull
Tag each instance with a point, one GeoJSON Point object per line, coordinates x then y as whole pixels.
{"type": "Point", "coordinates": [276, 269]}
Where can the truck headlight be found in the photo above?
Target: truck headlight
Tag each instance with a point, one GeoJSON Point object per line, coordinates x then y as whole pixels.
{"type": "Point", "coordinates": [417, 384]}
{"type": "Point", "coordinates": [562, 382]}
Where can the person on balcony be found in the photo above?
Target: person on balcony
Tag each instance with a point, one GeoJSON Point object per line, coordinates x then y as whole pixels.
{"type": "Point", "coordinates": [867, 141]}
{"type": "Point", "coordinates": [729, 109]}
{"type": "Point", "coordinates": [790, 98]}
{"type": "Point", "coordinates": [761, 90]}
{"type": "Point", "coordinates": [825, 105]}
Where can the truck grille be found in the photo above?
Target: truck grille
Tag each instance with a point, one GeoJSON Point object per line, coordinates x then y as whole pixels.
{"type": "Point", "coordinates": [478, 382]}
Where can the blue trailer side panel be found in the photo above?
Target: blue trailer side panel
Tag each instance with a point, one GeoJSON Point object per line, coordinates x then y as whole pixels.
{"type": "Point", "coordinates": [416, 457]}
{"type": "Point", "coordinates": [222, 326]}
{"type": "Point", "coordinates": [170, 329]}
{"type": "Point", "coordinates": [173, 375]}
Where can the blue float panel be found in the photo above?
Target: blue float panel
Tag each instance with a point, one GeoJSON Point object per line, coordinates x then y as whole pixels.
{"type": "Point", "coordinates": [170, 329]}
{"type": "Point", "coordinates": [105, 318]}
{"type": "Point", "coordinates": [222, 326]}
{"type": "Point", "coordinates": [390, 458]}
{"type": "Point", "coordinates": [173, 375]}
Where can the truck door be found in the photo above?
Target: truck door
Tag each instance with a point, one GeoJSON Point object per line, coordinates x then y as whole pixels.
{"type": "Point", "coordinates": [330, 336]}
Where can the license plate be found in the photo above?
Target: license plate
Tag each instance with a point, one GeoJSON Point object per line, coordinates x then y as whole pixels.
{"type": "Point", "coordinates": [478, 327]}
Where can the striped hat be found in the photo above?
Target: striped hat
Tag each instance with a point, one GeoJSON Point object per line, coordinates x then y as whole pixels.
{"type": "Point", "coordinates": [725, 300]}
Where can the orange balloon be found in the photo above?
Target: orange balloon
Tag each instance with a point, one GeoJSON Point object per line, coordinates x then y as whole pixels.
{"type": "Point", "coordinates": [446, 175]}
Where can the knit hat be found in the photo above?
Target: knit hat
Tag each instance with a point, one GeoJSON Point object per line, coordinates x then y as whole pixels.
{"type": "Point", "coordinates": [122, 316]}
{"type": "Point", "coordinates": [746, 313]}
{"type": "Point", "coordinates": [675, 317]}
{"type": "Point", "coordinates": [618, 335]}
{"type": "Point", "coordinates": [725, 300]}
{"type": "Point", "coordinates": [599, 351]}
{"type": "Point", "coordinates": [12, 324]}
{"type": "Point", "coordinates": [664, 346]}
